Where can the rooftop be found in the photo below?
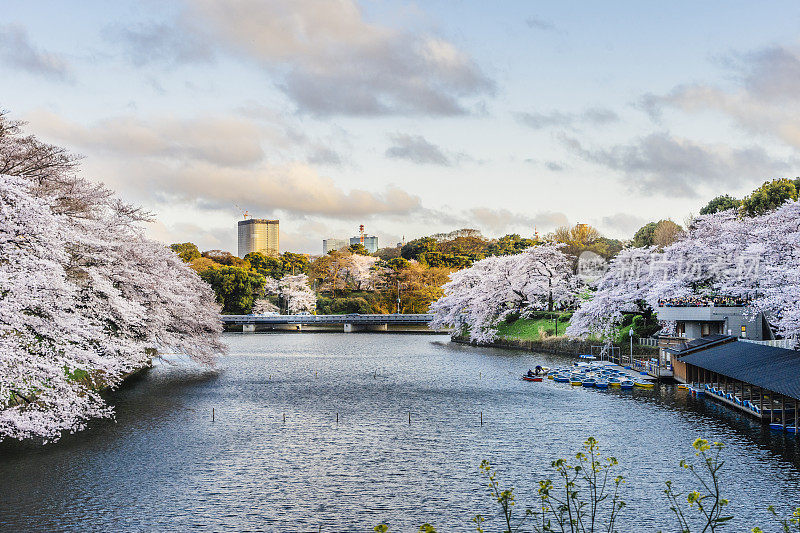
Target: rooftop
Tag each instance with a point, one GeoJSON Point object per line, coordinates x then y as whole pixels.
{"type": "Point", "coordinates": [773, 369]}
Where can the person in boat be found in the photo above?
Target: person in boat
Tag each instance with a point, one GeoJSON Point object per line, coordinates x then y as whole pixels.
{"type": "Point", "coordinates": [530, 373]}
{"type": "Point", "coordinates": [539, 369]}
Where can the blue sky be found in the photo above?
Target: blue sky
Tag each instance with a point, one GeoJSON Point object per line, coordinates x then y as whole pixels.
{"type": "Point", "coordinates": [411, 118]}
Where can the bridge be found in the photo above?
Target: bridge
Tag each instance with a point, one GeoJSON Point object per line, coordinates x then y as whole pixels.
{"type": "Point", "coordinates": [350, 323]}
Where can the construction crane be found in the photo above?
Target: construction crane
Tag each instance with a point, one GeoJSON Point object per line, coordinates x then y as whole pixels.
{"type": "Point", "coordinates": [244, 212]}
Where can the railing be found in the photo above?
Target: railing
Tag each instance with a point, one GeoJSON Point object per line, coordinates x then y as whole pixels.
{"type": "Point", "coordinates": [648, 342]}
{"type": "Point", "coordinates": [777, 343]}
{"type": "Point", "coordinates": [704, 301]}
{"type": "Point", "coordinates": [328, 319]}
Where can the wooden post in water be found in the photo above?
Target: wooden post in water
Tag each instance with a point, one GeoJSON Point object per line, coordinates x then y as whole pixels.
{"type": "Point", "coordinates": [481, 418]}
{"type": "Point", "coordinates": [337, 418]}
{"type": "Point", "coordinates": [284, 418]}
{"type": "Point", "coordinates": [212, 414]}
{"type": "Point", "coordinates": [409, 418]}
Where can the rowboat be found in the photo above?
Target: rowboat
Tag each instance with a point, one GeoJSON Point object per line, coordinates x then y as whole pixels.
{"type": "Point", "coordinates": [643, 384]}
{"type": "Point", "coordinates": [614, 382]}
{"type": "Point", "coordinates": [532, 378]}
{"type": "Point", "coordinates": [777, 427]}
{"type": "Point", "coordinates": [589, 382]}
{"type": "Point", "coordinates": [626, 384]}
{"type": "Point", "coordinates": [575, 380]}
{"type": "Point", "coordinates": [558, 378]}
{"type": "Point", "coordinates": [601, 384]}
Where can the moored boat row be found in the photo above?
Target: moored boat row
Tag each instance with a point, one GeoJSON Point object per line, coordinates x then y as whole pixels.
{"type": "Point", "coordinates": [594, 374]}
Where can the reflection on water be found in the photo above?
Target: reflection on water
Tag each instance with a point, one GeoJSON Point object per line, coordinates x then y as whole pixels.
{"type": "Point", "coordinates": [164, 465]}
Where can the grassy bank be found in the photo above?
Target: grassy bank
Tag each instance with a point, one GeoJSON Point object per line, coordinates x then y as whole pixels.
{"type": "Point", "coordinates": [538, 333]}
{"type": "Point", "coordinates": [529, 329]}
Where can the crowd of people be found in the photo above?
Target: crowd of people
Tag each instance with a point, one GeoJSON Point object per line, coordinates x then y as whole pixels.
{"type": "Point", "coordinates": [704, 301]}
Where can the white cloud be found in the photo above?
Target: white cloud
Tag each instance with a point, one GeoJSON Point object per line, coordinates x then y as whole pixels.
{"type": "Point", "coordinates": [333, 61]}
{"type": "Point", "coordinates": [17, 51]}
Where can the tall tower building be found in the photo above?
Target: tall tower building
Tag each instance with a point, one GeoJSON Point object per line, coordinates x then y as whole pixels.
{"type": "Point", "coordinates": [258, 235]}
{"type": "Point", "coordinates": [333, 244]}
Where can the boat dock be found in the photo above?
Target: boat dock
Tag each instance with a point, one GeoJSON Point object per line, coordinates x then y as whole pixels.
{"type": "Point", "coordinates": [761, 381]}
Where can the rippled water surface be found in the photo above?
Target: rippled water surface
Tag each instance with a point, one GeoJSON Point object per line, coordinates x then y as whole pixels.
{"type": "Point", "coordinates": [164, 465]}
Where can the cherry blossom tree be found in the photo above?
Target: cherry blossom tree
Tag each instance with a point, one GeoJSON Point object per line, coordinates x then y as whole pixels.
{"type": "Point", "coordinates": [754, 258]}
{"type": "Point", "coordinates": [479, 297]}
{"type": "Point", "coordinates": [295, 290]}
{"type": "Point", "coordinates": [85, 298]}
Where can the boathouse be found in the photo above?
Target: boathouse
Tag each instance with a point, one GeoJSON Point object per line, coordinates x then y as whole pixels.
{"type": "Point", "coordinates": [761, 380]}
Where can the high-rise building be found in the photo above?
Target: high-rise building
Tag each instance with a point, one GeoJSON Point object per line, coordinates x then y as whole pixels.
{"type": "Point", "coordinates": [258, 235]}
{"type": "Point", "coordinates": [370, 242]}
{"type": "Point", "coordinates": [333, 244]}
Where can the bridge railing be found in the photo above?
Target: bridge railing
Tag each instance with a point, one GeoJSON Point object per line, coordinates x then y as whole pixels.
{"type": "Point", "coordinates": [421, 318]}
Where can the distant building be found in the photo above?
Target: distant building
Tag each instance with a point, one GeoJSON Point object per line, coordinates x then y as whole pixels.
{"type": "Point", "coordinates": [370, 242]}
{"type": "Point", "coordinates": [259, 235]}
{"type": "Point", "coordinates": [333, 244]}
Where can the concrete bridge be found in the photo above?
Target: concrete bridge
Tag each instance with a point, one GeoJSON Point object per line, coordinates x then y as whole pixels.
{"type": "Point", "coordinates": [350, 323]}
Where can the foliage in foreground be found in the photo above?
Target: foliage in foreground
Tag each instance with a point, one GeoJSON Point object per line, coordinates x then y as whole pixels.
{"type": "Point", "coordinates": [585, 496]}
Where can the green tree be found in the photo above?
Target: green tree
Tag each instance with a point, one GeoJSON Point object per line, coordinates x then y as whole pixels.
{"type": "Point", "coordinates": [608, 248]}
{"type": "Point", "coordinates": [644, 236]}
{"type": "Point", "coordinates": [187, 251]}
{"type": "Point", "coordinates": [509, 245]}
{"type": "Point", "coordinates": [265, 265]}
{"type": "Point", "coordinates": [235, 288]}
{"type": "Point", "coordinates": [720, 203]}
{"type": "Point", "coordinates": [224, 258]}
{"type": "Point", "coordinates": [770, 195]}
{"type": "Point", "coordinates": [294, 263]}
{"type": "Point", "coordinates": [398, 263]}
{"type": "Point", "coordinates": [413, 249]}
{"type": "Point", "coordinates": [359, 249]}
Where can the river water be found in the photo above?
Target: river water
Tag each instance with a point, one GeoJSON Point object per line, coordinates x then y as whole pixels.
{"type": "Point", "coordinates": [165, 466]}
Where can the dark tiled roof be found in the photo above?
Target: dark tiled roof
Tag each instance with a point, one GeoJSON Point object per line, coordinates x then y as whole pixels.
{"type": "Point", "coordinates": [774, 369]}
{"type": "Point", "coordinates": [699, 344]}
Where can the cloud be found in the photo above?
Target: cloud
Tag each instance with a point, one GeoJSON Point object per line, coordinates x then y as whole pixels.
{"type": "Point", "coordinates": [417, 149]}
{"type": "Point", "coordinates": [221, 140]}
{"type": "Point", "coordinates": [765, 99]}
{"type": "Point", "coordinates": [331, 61]}
{"type": "Point", "coordinates": [594, 116]}
{"type": "Point", "coordinates": [539, 24]}
{"type": "Point", "coordinates": [622, 223]}
{"type": "Point", "coordinates": [662, 164]}
{"type": "Point", "coordinates": [17, 51]}
{"type": "Point", "coordinates": [323, 155]}
{"type": "Point", "coordinates": [293, 188]}
{"type": "Point", "coordinates": [160, 43]}
{"type": "Point", "coordinates": [501, 220]}
{"type": "Point", "coordinates": [772, 73]}
{"type": "Point", "coordinates": [214, 163]}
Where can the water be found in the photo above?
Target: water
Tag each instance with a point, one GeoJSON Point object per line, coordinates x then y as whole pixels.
{"type": "Point", "coordinates": [165, 466]}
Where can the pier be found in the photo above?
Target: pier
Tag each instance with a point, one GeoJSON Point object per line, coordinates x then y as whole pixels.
{"type": "Point", "coordinates": [758, 380]}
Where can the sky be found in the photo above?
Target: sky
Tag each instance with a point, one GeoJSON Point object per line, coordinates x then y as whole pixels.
{"type": "Point", "coordinates": [409, 118]}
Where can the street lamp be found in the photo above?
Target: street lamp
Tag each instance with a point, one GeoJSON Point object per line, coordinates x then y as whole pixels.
{"type": "Point", "coordinates": [630, 334]}
{"type": "Point", "coordinates": [398, 296]}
